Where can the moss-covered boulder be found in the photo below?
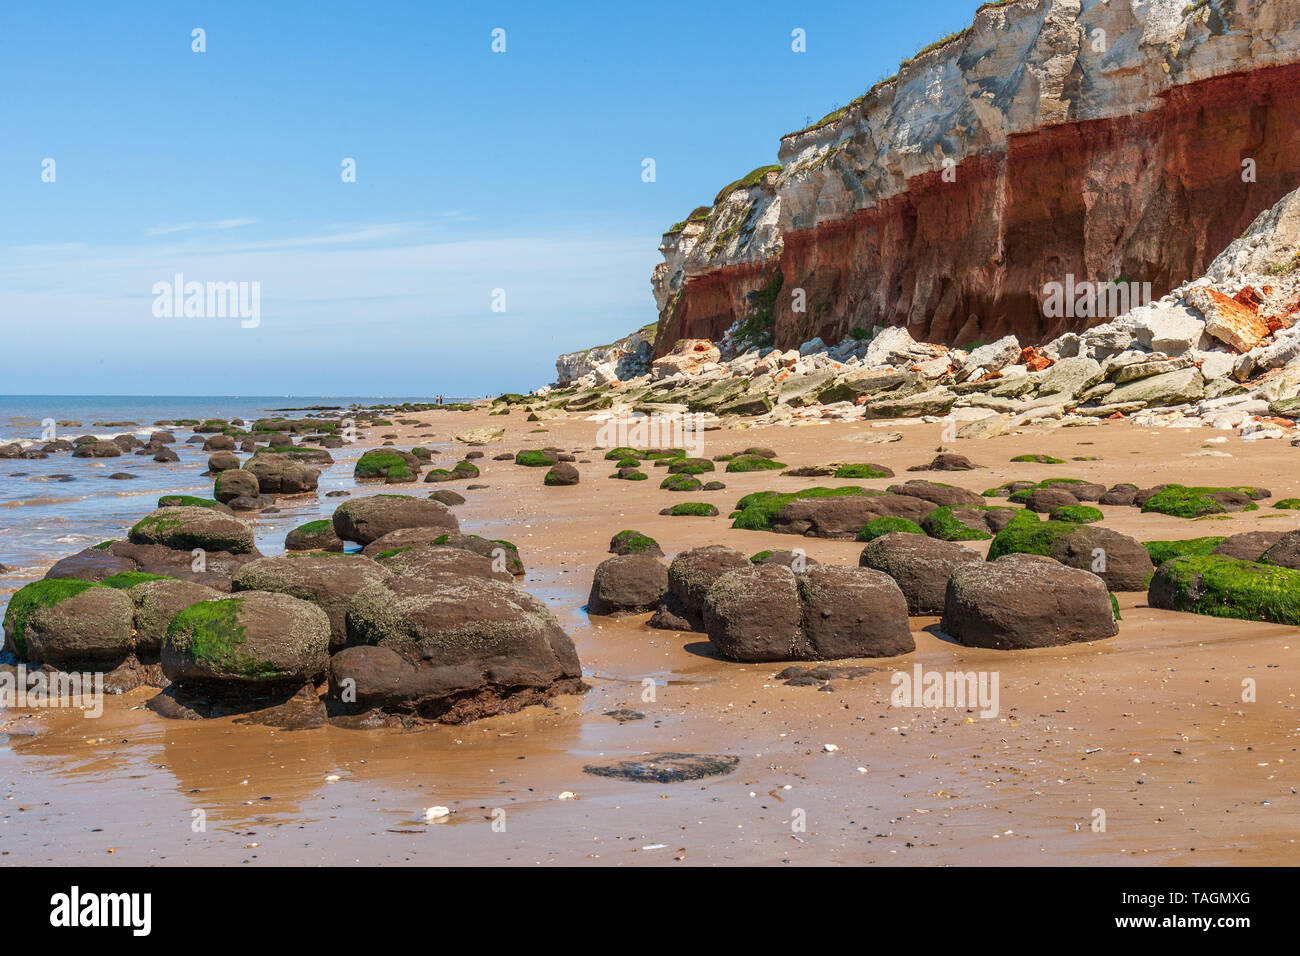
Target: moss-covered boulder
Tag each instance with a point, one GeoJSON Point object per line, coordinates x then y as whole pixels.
{"type": "Point", "coordinates": [503, 554]}
{"type": "Point", "coordinates": [634, 542]}
{"type": "Point", "coordinates": [680, 483]}
{"type": "Point", "coordinates": [1025, 601]}
{"type": "Point", "coordinates": [863, 470]}
{"type": "Point", "coordinates": [68, 622]}
{"type": "Point", "coordinates": [690, 466]}
{"type": "Point", "coordinates": [879, 527]}
{"type": "Point", "coordinates": [1183, 501]}
{"type": "Point", "coordinates": [695, 509]}
{"type": "Point", "coordinates": [560, 474]}
{"type": "Point", "coordinates": [1162, 551]}
{"type": "Point", "coordinates": [364, 520]}
{"type": "Point", "coordinates": [315, 535]}
{"type": "Point", "coordinates": [757, 511]}
{"type": "Point", "coordinates": [387, 465]}
{"type": "Point", "coordinates": [1026, 533]}
{"type": "Point", "coordinates": [1077, 514]}
{"type": "Point", "coordinates": [747, 462]}
{"type": "Point", "coordinates": [1227, 587]}
{"type": "Point", "coordinates": [537, 458]}
{"type": "Point", "coordinates": [462, 470]}
{"type": "Point", "coordinates": [328, 581]}
{"type": "Point", "coordinates": [184, 529]}
{"type": "Point", "coordinates": [252, 639]}
{"type": "Point", "coordinates": [156, 602]}
{"type": "Point", "coordinates": [967, 524]}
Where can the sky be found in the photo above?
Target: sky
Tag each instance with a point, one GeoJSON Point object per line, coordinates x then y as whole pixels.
{"type": "Point", "coordinates": [498, 217]}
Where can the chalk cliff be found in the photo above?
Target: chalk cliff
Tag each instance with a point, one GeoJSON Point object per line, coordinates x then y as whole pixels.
{"type": "Point", "coordinates": [1098, 139]}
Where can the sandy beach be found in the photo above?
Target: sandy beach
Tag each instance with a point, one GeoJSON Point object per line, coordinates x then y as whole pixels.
{"type": "Point", "coordinates": [1148, 726]}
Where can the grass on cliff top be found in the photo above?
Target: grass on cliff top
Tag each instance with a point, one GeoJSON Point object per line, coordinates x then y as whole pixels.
{"type": "Point", "coordinates": [698, 214]}
{"type": "Point", "coordinates": [752, 178]}
{"type": "Point", "coordinates": [755, 511]}
{"type": "Point", "coordinates": [1226, 587]}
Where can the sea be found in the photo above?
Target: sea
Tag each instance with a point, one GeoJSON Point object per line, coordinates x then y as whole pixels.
{"type": "Point", "coordinates": [53, 507]}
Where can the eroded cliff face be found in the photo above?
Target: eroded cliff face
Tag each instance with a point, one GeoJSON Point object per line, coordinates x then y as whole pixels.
{"type": "Point", "coordinates": [1102, 139]}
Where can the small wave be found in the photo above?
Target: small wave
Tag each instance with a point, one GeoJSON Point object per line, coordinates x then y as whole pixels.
{"type": "Point", "coordinates": [37, 502]}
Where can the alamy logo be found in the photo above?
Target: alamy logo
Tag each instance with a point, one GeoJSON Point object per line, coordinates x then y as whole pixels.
{"type": "Point", "coordinates": [1089, 300]}
{"type": "Point", "coordinates": [74, 908]}
{"type": "Point", "coordinates": [654, 431]}
{"type": "Point", "coordinates": [21, 689]}
{"type": "Point", "coordinates": [941, 690]}
{"type": "Point", "coordinates": [208, 300]}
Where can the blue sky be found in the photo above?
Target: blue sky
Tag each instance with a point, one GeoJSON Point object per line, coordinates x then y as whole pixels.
{"type": "Point", "coordinates": [475, 171]}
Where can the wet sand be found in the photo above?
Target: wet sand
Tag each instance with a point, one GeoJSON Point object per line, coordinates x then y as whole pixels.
{"type": "Point", "coordinates": [1148, 726]}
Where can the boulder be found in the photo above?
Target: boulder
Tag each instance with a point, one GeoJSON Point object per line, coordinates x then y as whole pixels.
{"type": "Point", "coordinates": [1119, 560]}
{"type": "Point", "coordinates": [844, 516]}
{"type": "Point", "coordinates": [753, 613]}
{"type": "Point", "coordinates": [452, 651]}
{"type": "Point", "coordinates": [690, 575]}
{"type": "Point", "coordinates": [768, 613]}
{"type": "Point", "coordinates": [937, 493]}
{"type": "Point", "coordinates": [1284, 553]}
{"type": "Point", "coordinates": [156, 603]}
{"type": "Point", "coordinates": [222, 461]}
{"type": "Point", "coordinates": [66, 622]}
{"type": "Point", "coordinates": [187, 528]}
{"type": "Point", "coordinates": [235, 483]}
{"type": "Point", "coordinates": [1249, 546]}
{"type": "Point", "coordinates": [1022, 601]}
{"type": "Point", "coordinates": [438, 563]}
{"type": "Point", "coordinates": [97, 449]}
{"type": "Point", "coordinates": [920, 566]}
{"type": "Point", "coordinates": [327, 581]}
{"type": "Point", "coordinates": [248, 640]}
{"type": "Point", "coordinates": [314, 536]}
{"type": "Point", "coordinates": [282, 475]}
{"type": "Point", "coordinates": [368, 519]}
{"type": "Point", "coordinates": [1047, 500]}
{"type": "Point", "coordinates": [627, 584]}
{"type": "Point", "coordinates": [634, 542]}
{"type": "Point", "coordinates": [853, 612]}
{"type": "Point", "coordinates": [562, 473]}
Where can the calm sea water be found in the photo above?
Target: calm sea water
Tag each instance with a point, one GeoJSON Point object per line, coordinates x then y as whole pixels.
{"type": "Point", "coordinates": [59, 505]}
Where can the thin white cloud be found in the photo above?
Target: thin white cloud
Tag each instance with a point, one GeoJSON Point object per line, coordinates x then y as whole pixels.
{"type": "Point", "coordinates": [219, 224]}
